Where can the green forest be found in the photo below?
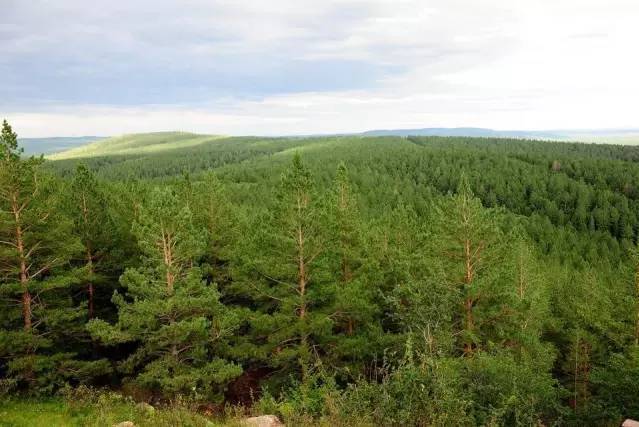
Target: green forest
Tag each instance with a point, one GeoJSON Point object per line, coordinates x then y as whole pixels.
{"type": "Point", "coordinates": [343, 280]}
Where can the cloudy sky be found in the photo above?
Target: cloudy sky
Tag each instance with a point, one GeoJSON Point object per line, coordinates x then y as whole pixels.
{"type": "Point", "coordinates": [73, 67]}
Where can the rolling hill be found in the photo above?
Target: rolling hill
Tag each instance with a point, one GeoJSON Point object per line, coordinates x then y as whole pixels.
{"type": "Point", "coordinates": [58, 148]}
{"type": "Point", "coordinates": [135, 144]}
{"type": "Point", "coordinates": [465, 131]}
{"type": "Point", "coordinates": [36, 146]}
{"type": "Point", "coordinates": [610, 136]}
{"type": "Point", "coordinates": [590, 186]}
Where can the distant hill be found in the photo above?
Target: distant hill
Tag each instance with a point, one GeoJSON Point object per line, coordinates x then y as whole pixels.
{"type": "Point", "coordinates": [35, 146]}
{"type": "Point", "coordinates": [59, 148]}
{"type": "Point", "coordinates": [614, 136]}
{"type": "Point", "coordinates": [135, 144]}
{"type": "Point", "coordinates": [477, 132]}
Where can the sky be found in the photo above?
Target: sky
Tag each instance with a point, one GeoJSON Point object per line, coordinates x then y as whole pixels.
{"type": "Point", "coordinates": [284, 67]}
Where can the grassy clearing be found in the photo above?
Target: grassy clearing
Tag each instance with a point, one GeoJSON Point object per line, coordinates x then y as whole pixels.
{"type": "Point", "coordinates": [32, 413]}
{"type": "Point", "coordinates": [107, 411]}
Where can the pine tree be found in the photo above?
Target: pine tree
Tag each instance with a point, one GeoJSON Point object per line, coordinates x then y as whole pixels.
{"type": "Point", "coordinates": [213, 212]}
{"type": "Point", "coordinates": [19, 191]}
{"type": "Point", "coordinates": [356, 315]}
{"type": "Point", "coordinates": [472, 244]}
{"type": "Point", "coordinates": [288, 276]}
{"type": "Point", "coordinates": [530, 302]}
{"type": "Point", "coordinates": [347, 243]}
{"type": "Point", "coordinates": [617, 385]}
{"type": "Point", "coordinates": [36, 245]}
{"type": "Point", "coordinates": [586, 304]}
{"type": "Point", "coordinates": [169, 310]}
{"type": "Point", "coordinates": [422, 301]}
{"type": "Point", "coordinates": [94, 226]}
{"type": "Point", "coordinates": [348, 233]}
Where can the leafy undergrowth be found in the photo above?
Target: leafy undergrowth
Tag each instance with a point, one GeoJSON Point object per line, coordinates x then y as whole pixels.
{"type": "Point", "coordinates": [104, 409]}
{"type": "Point", "coordinates": [88, 407]}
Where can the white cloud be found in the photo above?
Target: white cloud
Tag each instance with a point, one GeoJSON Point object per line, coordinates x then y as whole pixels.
{"type": "Point", "coordinates": [496, 63]}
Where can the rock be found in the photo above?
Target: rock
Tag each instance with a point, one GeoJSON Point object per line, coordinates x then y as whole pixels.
{"type": "Point", "coordinates": [146, 408]}
{"type": "Point", "coordinates": [124, 424]}
{"type": "Point", "coordinates": [263, 421]}
{"type": "Point", "coordinates": [630, 423]}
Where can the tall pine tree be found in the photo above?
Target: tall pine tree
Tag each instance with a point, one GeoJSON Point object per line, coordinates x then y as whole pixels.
{"type": "Point", "coordinates": [358, 335]}
{"type": "Point", "coordinates": [94, 226]}
{"type": "Point", "coordinates": [288, 277]}
{"type": "Point", "coordinates": [38, 339]}
{"type": "Point", "coordinates": [169, 310]}
{"type": "Point", "coordinates": [471, 244]}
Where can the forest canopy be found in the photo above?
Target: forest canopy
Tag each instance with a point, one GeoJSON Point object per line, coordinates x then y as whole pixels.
{"type": "Point", "coordinates": [373, 280]}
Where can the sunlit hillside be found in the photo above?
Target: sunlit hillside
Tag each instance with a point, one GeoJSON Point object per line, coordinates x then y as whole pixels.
{"type": "Point", "coordinates": [136, 144]}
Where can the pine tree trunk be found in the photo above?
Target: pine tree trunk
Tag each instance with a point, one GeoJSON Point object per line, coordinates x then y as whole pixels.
{"type": "Point", "coordinates": [26, 309]}
{"type": "Point", "coordinates": [167, 248]}
{"type": "Point", "coordinates": [350, 326]}
{"type": "Point", "coordinates": [24, 278]}
{"type": "Point", "coordinates": [90, 284]}
{"type": "Point", "coordinates": [301, 276]}
{"type": "Point", "coordinates": [521, 279]}
{"type": "Point", "coordinates": [347, 276]}
{"type": "Point", "coordinates": [85, 216]}
{"type": "Point", "coordinates": [581, 374]}
{"type": "Point", "coordinates": [91, 308]}
{"type": "Point", "coordinates": [27, 313]}
{"type": "Point", "coordinates": [468, 303]}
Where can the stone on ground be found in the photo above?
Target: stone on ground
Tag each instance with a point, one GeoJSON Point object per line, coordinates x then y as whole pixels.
{"type": "Point", "coordinates": [264, 421]}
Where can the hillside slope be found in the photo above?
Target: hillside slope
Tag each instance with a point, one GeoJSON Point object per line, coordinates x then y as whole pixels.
{"type": "Point", "coordinates": [169, 154]}
{"type": "Point", "coordinates": [37, 146]}
{"type": "Point", "coordinates": [135, 144]}
{"type": "Point", "coordinates": [585, 186]}
{"type": "Point", "coordinates": [60, 148]}
{"type": "Point", "coordinates": [602, 136]}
